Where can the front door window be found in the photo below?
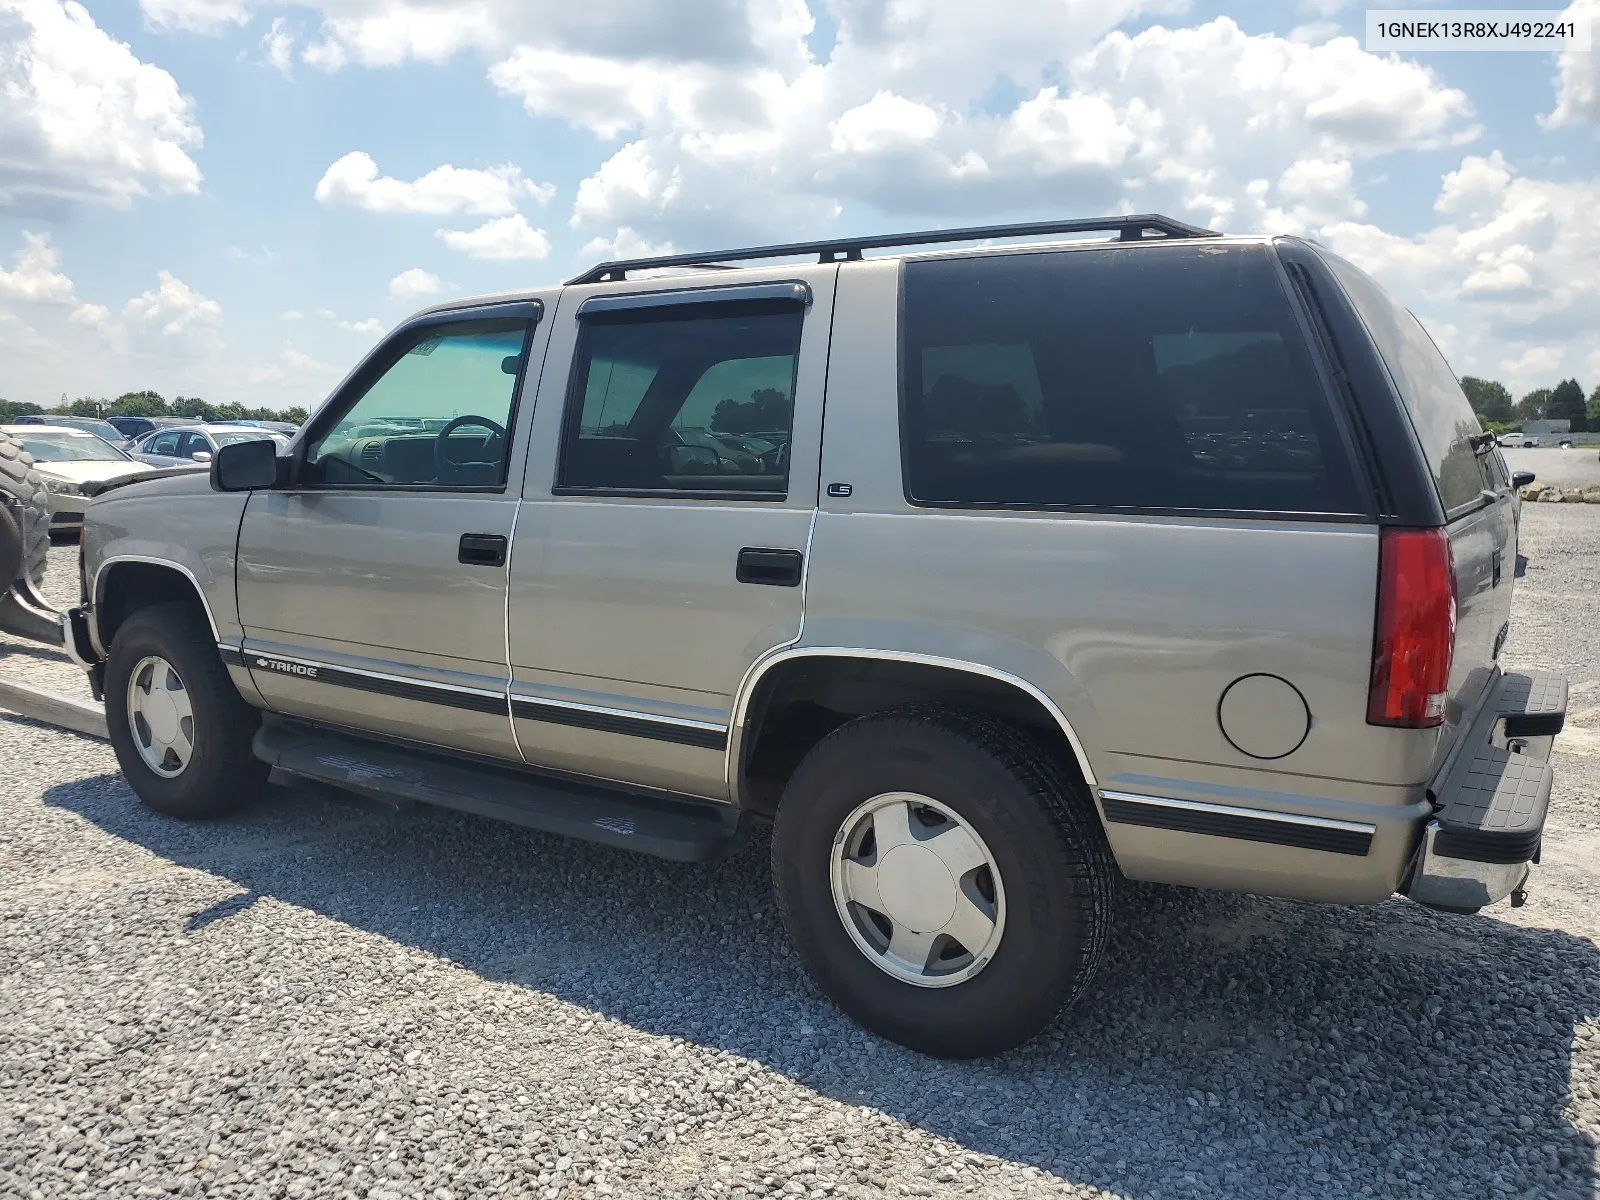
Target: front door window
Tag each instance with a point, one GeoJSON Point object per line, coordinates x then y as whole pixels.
{"type": "Point", "coordinates": [437, 415]}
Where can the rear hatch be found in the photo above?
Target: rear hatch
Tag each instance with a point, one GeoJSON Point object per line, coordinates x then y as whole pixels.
{"type": "Point", "coordinates": [1473, 486]}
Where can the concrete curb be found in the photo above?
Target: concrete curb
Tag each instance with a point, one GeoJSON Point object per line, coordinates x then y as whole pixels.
{"type": "Point", "coordinates": [41, 704]}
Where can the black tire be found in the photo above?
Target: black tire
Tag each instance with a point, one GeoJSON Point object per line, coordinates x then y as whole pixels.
{"type": "Point", "coordinates": [222, 773]}
{"type": "Point", "coordinates": [1046, 843]}
{"type": "Point", "coordinates": [25, 495]}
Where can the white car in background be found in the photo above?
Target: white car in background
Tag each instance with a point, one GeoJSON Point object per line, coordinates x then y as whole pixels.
{"type": "Point", "coordinates": [68, 459]}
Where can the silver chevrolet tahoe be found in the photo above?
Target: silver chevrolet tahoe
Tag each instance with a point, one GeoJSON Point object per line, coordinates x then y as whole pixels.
{"type": "Point", "coordinates": [989, 574]}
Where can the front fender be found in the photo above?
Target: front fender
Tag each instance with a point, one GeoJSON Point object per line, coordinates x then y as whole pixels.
{"type": "Point", "coordinates": [176, 522]}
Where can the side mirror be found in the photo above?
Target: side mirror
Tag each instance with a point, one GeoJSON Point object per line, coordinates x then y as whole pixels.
{"type": "Point", "coordinates": [245, 466]}
{"type": "Point", "coordinates": [1521, 479]}
{"type": "Point", "coordinates": [201, 456]}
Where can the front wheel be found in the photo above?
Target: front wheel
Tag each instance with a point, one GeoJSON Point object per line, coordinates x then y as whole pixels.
{"type": "Point", "coordinates": [179, 727]}
{"type": "Point", "coordinates": [945, 882]}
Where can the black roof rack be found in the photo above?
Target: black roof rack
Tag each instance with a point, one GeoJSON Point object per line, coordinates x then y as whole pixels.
{"type": "Point", "coordinates": [1129, 229]}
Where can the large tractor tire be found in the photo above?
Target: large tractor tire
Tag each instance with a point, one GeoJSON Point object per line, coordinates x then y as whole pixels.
{"type": "Point", "coordinates": [27, 506]}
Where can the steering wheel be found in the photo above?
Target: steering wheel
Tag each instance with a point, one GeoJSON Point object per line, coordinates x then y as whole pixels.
{"type": "Point", "coordinates": [443, 464]}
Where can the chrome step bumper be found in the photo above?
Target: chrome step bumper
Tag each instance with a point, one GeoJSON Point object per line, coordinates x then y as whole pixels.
{"type": "Point", "coordinates": [1490, 806]}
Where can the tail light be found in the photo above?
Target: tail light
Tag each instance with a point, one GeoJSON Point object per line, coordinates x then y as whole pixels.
{"type": "Point", "coordinates": [1416, 632]}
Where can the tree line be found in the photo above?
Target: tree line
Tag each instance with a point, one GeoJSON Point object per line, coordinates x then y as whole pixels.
{"type": "Point", "coordinates": [149, 404]}
{"type": "Point", "coordinates": [1495, 408]}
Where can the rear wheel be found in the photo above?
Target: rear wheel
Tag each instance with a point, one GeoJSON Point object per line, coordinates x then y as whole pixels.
{"type": "Point", "coordinates": [945, 881]}
{"type": "Point", "coordinates": [179, 727]}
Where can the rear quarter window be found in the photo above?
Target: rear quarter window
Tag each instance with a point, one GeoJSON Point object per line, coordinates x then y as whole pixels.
{"type": "Point", "coordinates": [1439, 410]}
{"type": "Point", "coordinates": [1156, 378]}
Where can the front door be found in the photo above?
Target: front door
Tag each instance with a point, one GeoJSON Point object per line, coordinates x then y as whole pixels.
{"type": "Point", "coordinates": [671, 487]}
{"type": "Point", "coordinates": [372, 591]}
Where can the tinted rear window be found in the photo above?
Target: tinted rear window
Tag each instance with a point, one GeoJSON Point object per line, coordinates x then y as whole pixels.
{"type": "Point", "coordinates": [1439, 409]}
{"type": "Point", "coordinates": [1156, 378]}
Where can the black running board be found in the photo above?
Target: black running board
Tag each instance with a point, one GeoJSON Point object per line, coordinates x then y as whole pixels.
{"type": "Point", "coordinates": [681, 830]}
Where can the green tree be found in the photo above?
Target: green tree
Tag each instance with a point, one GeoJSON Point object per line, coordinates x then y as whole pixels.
{"type": "Point", "coordinates": [1566, 403]}
{"type": "Point", "coordinates": [1534, 405]}
{"type": "Point", "coordinates": [85, 406]}
{"type": "Point", "coordinates": [1594, 409]}
{"type": "Point", "coordinates": [138, 404]}
{"type": "Point", "coordinates": [300, 416]}
{"type": "Point", "coordinates": [10, 410]}
{"type": "Point", "coordinates": [194, 408]}
{"type": "Point", "coordinates": [1489, 398]}
{"type": "Point", "coordinates": [767, 408]}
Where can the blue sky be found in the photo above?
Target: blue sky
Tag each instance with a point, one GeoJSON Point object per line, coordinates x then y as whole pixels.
{"type": "Point", "coordinates": [179, 208]}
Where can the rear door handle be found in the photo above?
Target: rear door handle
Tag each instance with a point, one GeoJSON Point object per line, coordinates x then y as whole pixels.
{"type": "Point", "coordinates": [482, 550]}
{"type": "Point", "coordinates": [775, 568]}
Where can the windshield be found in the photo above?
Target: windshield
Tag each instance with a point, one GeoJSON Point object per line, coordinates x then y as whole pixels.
{"type": "Point", "coordinates": [70, 447]}
{"type": "Point", "coordinates": [102, 429]}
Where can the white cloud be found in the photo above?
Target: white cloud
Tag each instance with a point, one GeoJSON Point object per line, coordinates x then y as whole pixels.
{"type": "Point", "coordinates": [1536, 362]}
{"type": "Point", "coordinates": [173, 318]}
{"type": "Point", "coordinates": [502, 240]}
{"type": "Point", "coordinates": [496, 191]}
{"type": "Point", "coordinates": [1170, 119]}
{"type": "Point", "coordinates": [1578, 72]}
{"type": "Point", "coordinates": [278, 45]}
{"type": "Point", "coordinates": [626, 244]}
{"type": "Point", "coordinates": [83, 119]}
{"type": "Point", "coordinates": [381, 33]}
{"type": "Point", "coordinates": [885, 123]}
{"type": "Point", "coordinates": [34, 277]}
{"type": "Point", "coordinates": [290, 377]}
{"type": "Point", "coordinates": [1514, 266]}
{"type": "Point", "coordinates": [370, 327]}
{"type": "Point", "coordinates": [408, 285]}
{"type": "Point", "coordinates": [197, 16]}
{"type": "Point", "coordinates": [1313, 32]}
{"type": "Point", "coordinates": [291, 314]}
{"type": "Point", "coordinates": [93, 316]}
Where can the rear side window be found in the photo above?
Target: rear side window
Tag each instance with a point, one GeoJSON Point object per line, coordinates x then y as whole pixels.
{"type": "Point", "coordinates": [697, 399]}
{"type": "Point", "coordinates": [1439, 409]}
{"type": "Point", "coordinates": [1171, 378]}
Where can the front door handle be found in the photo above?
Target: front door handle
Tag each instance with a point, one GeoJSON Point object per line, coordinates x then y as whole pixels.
{"type": "Point", "coordinates": [775, 568]}
{"type": "Point", "coordinates": [482, 550]}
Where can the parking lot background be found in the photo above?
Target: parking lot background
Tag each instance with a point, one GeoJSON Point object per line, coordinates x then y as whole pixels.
{"type": "Point", "coordinates": [320, 997]}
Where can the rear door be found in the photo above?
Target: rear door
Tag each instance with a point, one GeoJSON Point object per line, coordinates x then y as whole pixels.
{"type": "Point", "coordinates": [667, 516]}
{"type": "Point", "coordinates": [1475, 493]}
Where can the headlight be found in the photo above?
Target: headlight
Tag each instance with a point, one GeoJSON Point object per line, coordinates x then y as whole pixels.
{"type": "Point", "coordinates": [62, 488]}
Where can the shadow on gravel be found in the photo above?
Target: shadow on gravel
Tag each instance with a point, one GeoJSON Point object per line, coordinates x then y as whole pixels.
{"type": "Point", "coordinates": [1231, 1044]}
{"type": "Point", "coordinates": [10, 646]}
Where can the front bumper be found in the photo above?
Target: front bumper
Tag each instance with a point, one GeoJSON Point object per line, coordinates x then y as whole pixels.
{"type": "Point", "coordinates": [1491, 800]}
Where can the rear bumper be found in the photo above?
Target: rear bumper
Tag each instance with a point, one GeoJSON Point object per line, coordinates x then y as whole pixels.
{"type": "Point", "coordinates": [1491, 801]}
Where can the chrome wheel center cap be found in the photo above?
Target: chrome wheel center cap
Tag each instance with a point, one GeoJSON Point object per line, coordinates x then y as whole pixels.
{"type": "Point", "coordinates": [916, 888]}
{"type": "Point", "coordinates": [161, 715]}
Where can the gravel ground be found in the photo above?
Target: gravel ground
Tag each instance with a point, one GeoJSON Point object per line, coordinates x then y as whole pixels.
{"type": "Point", "coordinates": [33, 663]}
{"type": "Point", "coordinates": [324, 998]}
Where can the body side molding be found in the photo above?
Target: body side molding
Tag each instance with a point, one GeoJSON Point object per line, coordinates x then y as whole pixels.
{"type": "Point", "coordinates": [1245, 824]}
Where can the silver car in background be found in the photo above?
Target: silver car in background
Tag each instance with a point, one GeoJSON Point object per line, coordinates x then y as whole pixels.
{"type": "Point", "coordinates": [185, 445]}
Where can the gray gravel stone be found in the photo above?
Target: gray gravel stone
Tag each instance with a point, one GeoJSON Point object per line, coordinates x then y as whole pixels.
{"type": "Point", "coordinates": [319, 998]}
